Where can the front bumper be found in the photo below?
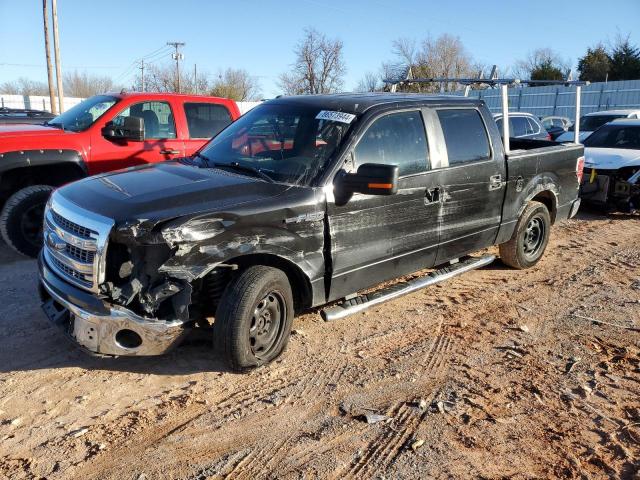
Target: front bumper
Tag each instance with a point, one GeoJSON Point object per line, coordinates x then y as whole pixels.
{"type": "Point", "coordinates": [102, 328]}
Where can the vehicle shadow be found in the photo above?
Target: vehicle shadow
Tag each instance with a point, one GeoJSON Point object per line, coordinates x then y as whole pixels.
{"type": "Point", "coordinates": [593, 213]}
{"type": "Point", "coordinates": [9, 257]}
{"type": "Point", "coordinates": [40, 346]}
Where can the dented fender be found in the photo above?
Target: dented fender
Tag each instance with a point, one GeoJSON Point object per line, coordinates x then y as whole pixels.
{"type": "Point", "coordinates": [199, 252]}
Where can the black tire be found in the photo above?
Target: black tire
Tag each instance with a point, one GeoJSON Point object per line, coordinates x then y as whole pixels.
{"type": "Point", "coordinates": [253, 319]}
{"type": "Point", "coordinates": [21, 219]}
{"type": "Point", "coordinates": [529, 239]}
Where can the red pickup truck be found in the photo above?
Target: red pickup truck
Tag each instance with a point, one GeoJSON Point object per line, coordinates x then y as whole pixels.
{"type": "Point", "coordinates": [103, 133]}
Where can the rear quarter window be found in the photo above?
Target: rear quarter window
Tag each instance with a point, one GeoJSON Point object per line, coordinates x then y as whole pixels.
{"type": "Point", "coordinates": [206, 120]}
{"type": "Point", "coordinates": [465, 135]}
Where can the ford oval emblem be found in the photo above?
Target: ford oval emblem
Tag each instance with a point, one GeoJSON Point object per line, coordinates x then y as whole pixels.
{"type": "Point", "coordinates": [54, 241]}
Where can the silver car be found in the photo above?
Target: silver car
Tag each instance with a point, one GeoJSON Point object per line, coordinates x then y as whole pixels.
{"type": "Point", "coordinates": [523, 125]}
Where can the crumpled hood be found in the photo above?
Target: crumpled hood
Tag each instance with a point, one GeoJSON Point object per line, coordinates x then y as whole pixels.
{"type": "Point", "coordinates": [166, 190]}
{"type": "Point", "coordinates": [611, 158]}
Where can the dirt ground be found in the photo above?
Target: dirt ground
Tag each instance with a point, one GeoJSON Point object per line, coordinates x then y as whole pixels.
{"type": "Point", "coordinates": [495, 374]}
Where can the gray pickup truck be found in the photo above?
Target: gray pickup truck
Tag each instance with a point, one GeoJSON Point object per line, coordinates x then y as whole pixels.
{"type": "Point", "coordinates": [303, 202]}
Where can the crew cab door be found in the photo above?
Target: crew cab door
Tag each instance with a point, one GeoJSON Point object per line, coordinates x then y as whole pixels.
{"type": "Point", "coordinates": [375, 238]}
{"type": "Point", "coordinates": [160, 139]}
{"type": "Point", "coordinates": [203, 121]}
{"type": "Point", "coordinates": [473, 183]}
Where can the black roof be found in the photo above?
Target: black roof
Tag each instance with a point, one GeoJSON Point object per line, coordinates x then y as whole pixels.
{"type": "Point", "coordinates": [360, 102]}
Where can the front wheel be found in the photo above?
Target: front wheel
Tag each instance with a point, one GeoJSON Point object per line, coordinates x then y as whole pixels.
{"type": "Point", "coordinates": [21, 219]}
{"type": "Point", "coordinates": [253, 319]}
{"type": "Point", "coordinates": [529, 239]}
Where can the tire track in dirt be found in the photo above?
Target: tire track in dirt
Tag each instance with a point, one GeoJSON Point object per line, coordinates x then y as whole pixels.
{"type": "Point", "coordinates": [386, 446]}
{"type": "Point", "coordinates": [307, 399]}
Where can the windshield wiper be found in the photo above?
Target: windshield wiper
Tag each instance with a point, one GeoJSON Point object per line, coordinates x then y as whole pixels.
{"type": "Point", "coordinates": [55, 125]}
{"type": "Point", "coordinates": [243, 168]}
{"type": "Point", "coordinates": [207, 160]}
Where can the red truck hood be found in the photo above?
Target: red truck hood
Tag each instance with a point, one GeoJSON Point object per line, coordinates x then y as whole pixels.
{"type": "Point", "coordinates": [36, 137]}
{"type": "Point", "coordinates": [24, 129]}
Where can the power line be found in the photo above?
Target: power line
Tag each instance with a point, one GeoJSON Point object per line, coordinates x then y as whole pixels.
{"type": "Point", "coordinates": [153, 56]}
{"type": "Point", "coordinates": [37, 65]}
{"type": "Point", "coordinates": [142, 74]}
{"type": "Point", "coordinates": [177, 56]}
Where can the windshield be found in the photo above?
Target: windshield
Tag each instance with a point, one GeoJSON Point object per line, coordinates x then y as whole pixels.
{"type": "Point", "coordinates": [615, 136]}
{"type": "Point", "coordinates": [591, 123]}
{"type": "Point", "coordinates": [83, 115]}
{"type": "Point", "coordinates": [288, 143]}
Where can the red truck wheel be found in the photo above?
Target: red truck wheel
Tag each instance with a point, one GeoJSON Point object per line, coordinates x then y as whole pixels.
{"type": "Point", "coordinates": [21, 219]}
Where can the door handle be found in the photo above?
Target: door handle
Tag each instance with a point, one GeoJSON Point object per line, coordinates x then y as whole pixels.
{"type": "Point", "coordinates": [170, 152]}
{"type": "Point", "coordinates": [495, 182]}
{"type": "Point", "coordinates": [432, 195]}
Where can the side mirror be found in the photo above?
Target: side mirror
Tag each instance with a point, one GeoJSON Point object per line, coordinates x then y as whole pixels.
{"type": "Point", "coordinates": [132, 128]}
{"type": "Point", "coordinates": [370, 179]}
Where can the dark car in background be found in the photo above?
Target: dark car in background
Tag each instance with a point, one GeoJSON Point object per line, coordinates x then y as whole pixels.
{"type": "Point", "coordinates": [556, 125]}
{"type": "Point", "coordinates": [23, 115]}
{"type": "Point", "coordinates": [523, 125]}
{"type": "Point", "coordinates": [594, 120]}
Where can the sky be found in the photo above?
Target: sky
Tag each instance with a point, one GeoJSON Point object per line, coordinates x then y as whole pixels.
{"type": "Point", "coordinates": [106, 38]}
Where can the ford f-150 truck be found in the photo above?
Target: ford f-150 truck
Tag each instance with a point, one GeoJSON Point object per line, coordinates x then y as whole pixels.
{"type": "Point", "coordinates": [302, 202]}
{"type": "Point", "coordinates": [103, 133]}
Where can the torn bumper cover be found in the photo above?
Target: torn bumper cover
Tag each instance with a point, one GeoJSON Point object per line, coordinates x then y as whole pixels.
{"type": "Point", "coordinates": [611, 187]}
{"type": "Point", "coordinates": [102, 328]}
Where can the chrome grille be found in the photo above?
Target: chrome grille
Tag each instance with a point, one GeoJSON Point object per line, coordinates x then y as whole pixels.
{"type": "Point", "coordinates": [84, 256]}
{"type": "Point", "coordinates": [70, 272]}
{"type": "Point", "coordinates": [72, 227]}
{"type": "Point", "coordinates": [75, 242]}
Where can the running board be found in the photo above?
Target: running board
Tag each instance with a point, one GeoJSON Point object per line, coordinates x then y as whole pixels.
{"type": "Point", "coordinates": [363, 302]}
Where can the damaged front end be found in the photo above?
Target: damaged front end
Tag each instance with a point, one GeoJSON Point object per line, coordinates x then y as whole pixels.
{"type": "Point", "coordinates": [615, 190]}
{"type": "Point", "coordinates": [123, 289]}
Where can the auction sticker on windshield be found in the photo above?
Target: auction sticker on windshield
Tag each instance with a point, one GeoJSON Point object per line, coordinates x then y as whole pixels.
{"type": "Point", "coordinates": [335, 116]}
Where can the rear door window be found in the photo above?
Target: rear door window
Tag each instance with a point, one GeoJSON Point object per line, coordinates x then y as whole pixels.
{"type": "Point", "coordinates": [465, 135]}
{"type": "Point", "coordinates": [519, 126]}
{"type": "Point", "coordinates": [206, 120]}
{"type": "Point", "coordinates": [395, 139]}
{"type": "Point", "coordinates": [533, 126]}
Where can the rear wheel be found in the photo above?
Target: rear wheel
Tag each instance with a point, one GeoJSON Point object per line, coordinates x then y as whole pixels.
{"type": "Point", "coordinates": [21, 219]}
{"type": "Point", "coordinates": [253, 319]}
{"type": "Point", "coordinates": [529, 239]}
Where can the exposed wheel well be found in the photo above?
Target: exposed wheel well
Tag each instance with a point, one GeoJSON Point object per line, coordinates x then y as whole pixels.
{"type": "Point", "coordinates": [55, 174]}
{"type": "Point", "coordinates": [300, 284]}
{"type": "Point", "coordinates": [549, 200]}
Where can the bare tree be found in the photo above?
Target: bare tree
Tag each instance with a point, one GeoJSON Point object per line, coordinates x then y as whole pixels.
{"type": "Point", "coordinates": [541, 60]}
{"type": "Point", "coordinates": [163, 78]}
{"type": "Point", "coordinates": [370, 83]}
{"type": "Point", "coordinates": [24, 86]}
{"type": "Point", "coordinates": [159, 78]}
{"type": "Point", "coordinates": [444, 56]}
{"type": "Point", "coordinates": [83, 85]}
{"type": "Point", "coordinates": [235, 84]}
{"type": "Point", "coordinates": [318, 67]}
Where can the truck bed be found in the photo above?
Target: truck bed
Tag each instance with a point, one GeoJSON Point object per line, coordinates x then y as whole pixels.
{"type": "Point", "coordinates": [539, 165]}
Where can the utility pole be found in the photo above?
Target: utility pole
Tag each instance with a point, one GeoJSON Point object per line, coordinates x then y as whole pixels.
{"type": "Point", "coordinates": [177, 56]}
{"type": "Point", "coordinates": [47, 49]}
{"type": "Point", "coordinates": [142, 73]}
{"type": "Point", "coordinates": [195, 78]}
{"type": "Point", "coordinates": [56, 49]}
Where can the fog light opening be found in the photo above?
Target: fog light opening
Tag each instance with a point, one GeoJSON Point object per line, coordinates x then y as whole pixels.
{"type": "Point", "coordinates": [126, 338]}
